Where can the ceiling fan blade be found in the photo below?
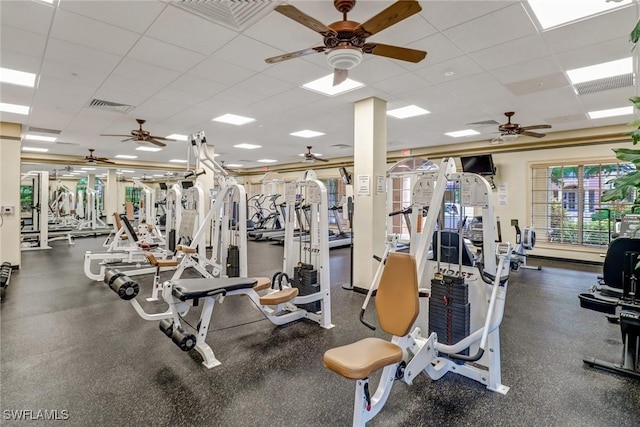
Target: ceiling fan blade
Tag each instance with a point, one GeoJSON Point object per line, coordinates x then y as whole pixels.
{"type": "Point", "coordinates": [298, 54]}
{"type": "Point", "coordinates": [339, 76]}
{"type": "Point", "coordinates": [112, 134]}
{"type": "Point", "coordinates": [319, 158]}
{"type": "Point", "coordinates": [161, 138]}
{"type": "Point", "coordinates": [127, 139]}
{"type": "Point", "coordinates": [395, 52]}
{"type": "Point", "coordinates": [535, 127]}
{"type": "Point", "coordinates": [534, 134]}
{"type": "Point", "coordinates": [392, 15]}
{"type": "Point", "coordinates": [156, 142]}
{"type": "Point", "coordinates": [300, 17]}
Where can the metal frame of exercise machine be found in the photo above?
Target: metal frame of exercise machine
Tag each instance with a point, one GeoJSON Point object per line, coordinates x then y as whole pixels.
{"type": "Point", "coordinates": [410, 353]}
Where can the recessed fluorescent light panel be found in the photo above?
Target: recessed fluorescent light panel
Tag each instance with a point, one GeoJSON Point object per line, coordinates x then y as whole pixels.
{"type": "Point", "coordinates": [461, 133]}
{"type": "Point", "coordinates": [306, 133]}
{"type": "Point", "coordinates": [234, 165]}
{"type": "Point", "coordinates": [125, 156]}
{"type": "Point", "coordinates": [233, 119]}
{"type": "Point", "coordinates": [88, 169]}
{"type": "Point", "coordinates": [15, 77]}
{"type": "Point", "coordinates": [613, 112]}
{"type": "Point", "coordinates": [247, 146]}
{"type": "Point", "coordinates": [406, 112]}
{"type": "Point", "coordinates": [14, 108]}
{"type": "Point", "coordinates": [152, 149]}
{"type": "Point", "coordinates": [178, 161]}
{"type": "Point", "coordinates": [35, 149]}
{"type": "Point", "coordinates": [554, 13]}
{"type": "Point", "coordinates": [40, 138]}
{"type": "Point", "coordinates": [126, 171]}
{"type": "Point", "coordinates": [267, 161]}
{"type": "Point", "coordinates": [600, 71]}
{"type": "Point", "coordinates": [324, 85]}
{"type": "Point", "coordinates": [178, 137]}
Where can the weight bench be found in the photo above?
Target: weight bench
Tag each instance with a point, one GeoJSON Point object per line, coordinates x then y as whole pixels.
{"type": "Point", "coordinates": [182, 294]}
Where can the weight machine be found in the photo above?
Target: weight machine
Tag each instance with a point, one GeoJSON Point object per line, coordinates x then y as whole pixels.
{"type": "Point", "coordinates": [36, 236]}
{"type": "Point", "coordinates": [455, 299]}
{"type": "Point", "coordinates": [91, 218]}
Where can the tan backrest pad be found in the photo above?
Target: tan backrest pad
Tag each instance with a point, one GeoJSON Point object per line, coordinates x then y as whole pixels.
{"type": "Point", "coordinates": [397, 301]}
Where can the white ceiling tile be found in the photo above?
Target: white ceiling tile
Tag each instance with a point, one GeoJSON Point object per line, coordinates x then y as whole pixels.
{"type": "Point", "coordinates": [553, 102]}
{"type": "Point", "coordinates": [20, 95]}
{"type": "Point", "coordinates": [512, 20]}
{"type": "Point", "coordinates": [221, 72]}
{"type": "Point", "coordinates": [186, 121]}
{"type": "Point", "coordinates": [20, 41]}
{"type": "Point", "coordinates": [253, 56]}
{"type": "Point", "coordinates": [296, 71]}
{"type": "Point", "coordinates": [183, 29]}
{"type": "Point", "coordinates": [373, 69]}
{"type": "Point", "coordinates": [91, 33]}
{"type": "Point", "coordinates": [18, 61]}
{"type": "Point", "coordinates": [527, 70]}
{"type": "Point", "coordinates": [91, 121]}
{"type": "Point", "coordinates": [613, 25]}
{"type": "Point", "coordinates": [73, 73]}
{"type": "Point", "coordinates": [238, 97]}
{"type": "Point", "coordinates": [465, 85]}
{"type": "Point", "coordinates": [398, 85]}
{"type": "Point", "coordinates": [152, 74]}
{"type": "Point", "coordinates": [58, 93]}
{"type": "Point", "coordinates": [197, 85]}
{"type": "Point", "coordinates": [180, 97]}
{"type": "Point", "coordinates": [62, 51]}
{"type": "Point", "coordinates": [35, 16]}
{"type": "Point", "coordinates": [461, 67]}
{"type": "Point", "coordinates": [135, 16]}
{"type": "Point", "coordinates": [126, 91]}
{"type": "Point", "coordinates": [264, 85]}
{"type": "Point", "coordinates": [595, 54]}
{"type": "Point", "coordinates": [45, 117]}
{"type": "Point", "coordinates": [607, 99]}
{"type": "Point", "coordinates": [158, 109]}
{"type": "Point", "coordinates": [447, 14]}
{"type": "Point", "coordinates": [164, 55]}
{"type": "Point", "coordinates": [512, 52]}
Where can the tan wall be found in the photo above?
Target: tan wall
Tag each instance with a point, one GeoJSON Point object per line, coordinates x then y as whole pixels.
{"type": "Point", "coordinates": [10, 192]}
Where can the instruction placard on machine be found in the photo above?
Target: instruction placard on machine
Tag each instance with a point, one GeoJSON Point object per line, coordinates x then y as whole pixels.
{"type": "Point", "coordinates": [473, 191]}
{"type": "Point", "coordinates": [423, 191]}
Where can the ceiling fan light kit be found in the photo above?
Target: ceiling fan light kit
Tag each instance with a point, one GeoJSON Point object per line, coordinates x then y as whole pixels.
{"type": "Point", "coordinates": [344, 58]}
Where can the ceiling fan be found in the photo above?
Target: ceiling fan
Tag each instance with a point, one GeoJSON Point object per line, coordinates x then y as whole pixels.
{"type": "Point", "coordinates": [93, 160]}
{"type": "Point", "coordinates": [345, 41]}
{"type": "Point", "coordinates": [141, 135]}
{"type": "Point", "coordinates": [309, 157]}
{"type": "Point", "coordinates": [510, 131]}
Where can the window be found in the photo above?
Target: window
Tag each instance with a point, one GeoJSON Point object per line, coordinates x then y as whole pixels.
{"type": "Point", "coordinates": [566, 206]}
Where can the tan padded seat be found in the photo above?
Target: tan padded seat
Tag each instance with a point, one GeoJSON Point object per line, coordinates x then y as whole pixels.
{"type": "Point", "coordinates": [160, 262]}
{"type": "Point", "coordinates": [358, 360]}
{"type": "Point", "coordinates": [279, 297]}
{"type": "Point", "coordinates": [263, 283]}
{"type": "Point", "coordinates": [186, 249]}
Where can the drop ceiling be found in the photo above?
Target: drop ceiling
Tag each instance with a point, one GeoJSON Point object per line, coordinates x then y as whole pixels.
{"type": "Point", "coordinates": [179, 70]}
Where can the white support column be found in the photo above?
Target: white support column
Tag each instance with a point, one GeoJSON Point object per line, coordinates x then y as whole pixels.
{"type": "Point", "coordinates": [111, 195]}
{"type": "Point", "coordinates": [208, 183]}
{"type": "Point", "coordinates": [10, 192]}
{"type": "Point", "coordinates": [370, 156]}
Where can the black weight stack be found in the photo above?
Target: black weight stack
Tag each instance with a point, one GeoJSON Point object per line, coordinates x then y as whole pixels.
{"type": "Point", "coordinates": [305, 278]}
{"type": "Point", "coordinates": [449, 310]}
{"type": "Point", "coordinates": [233, 261]}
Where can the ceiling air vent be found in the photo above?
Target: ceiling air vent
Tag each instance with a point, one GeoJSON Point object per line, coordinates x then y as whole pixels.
{"type": "Point", "coordinates": [234, 14]}
{"type": "Point", "coordinates": [44, 130]}
{"type": "Point", "coordinates": [110, 106]}
{"type": "Point", "coordinates": [607, 83]}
